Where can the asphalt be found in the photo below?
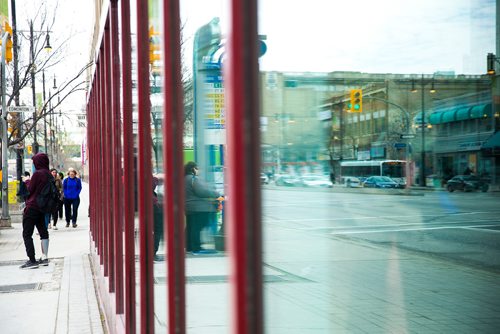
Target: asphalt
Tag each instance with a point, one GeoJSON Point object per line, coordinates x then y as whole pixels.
{"type": "Point", "coordinates": [335, 286]}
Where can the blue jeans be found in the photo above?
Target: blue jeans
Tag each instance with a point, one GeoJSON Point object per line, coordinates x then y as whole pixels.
{"type": "Point", "coordinates": [47, 220]}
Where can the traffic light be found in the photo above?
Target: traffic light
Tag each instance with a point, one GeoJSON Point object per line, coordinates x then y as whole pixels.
{"type": "Point", "coordinates": [30, 149]}
{"type": "Point", "coordinates": [154, 46]}
{"type": "Point", "coordinates": [8, 46]}
{"type": "Point", "coordinates": [356, 102]}
{"type": "Point", "coordinates": [490, 61]}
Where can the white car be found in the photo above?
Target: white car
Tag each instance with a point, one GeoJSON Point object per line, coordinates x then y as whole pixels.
{"type": "Point", "coordinates": [316, 181]}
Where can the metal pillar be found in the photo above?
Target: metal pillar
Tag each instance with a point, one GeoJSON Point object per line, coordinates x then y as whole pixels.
{"type": "Point", "coordinates": [244, 204]}
{"type": "Point", "coordinates": [173, 159]}
{"type": "Point", "coordinates": [128, 171]}
{"type": "Point", "coordinates": [32, 54]}
{"type": "Point", "coordinates": [422, 156]}
{"type": "Point", "coordinates": [145, 181]}
{"type": "Point", "coordinates": [116, 156]}
{"type": "Point", "coordinates": [5, 162]}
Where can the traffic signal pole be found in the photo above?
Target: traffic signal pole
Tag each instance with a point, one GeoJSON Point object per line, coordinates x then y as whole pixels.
{"type": "Point", "coordinates": [407, 137]}
{"type": "Point", "coordinates": [5, 219]}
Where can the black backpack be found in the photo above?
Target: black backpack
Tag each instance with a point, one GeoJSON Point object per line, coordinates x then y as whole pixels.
{"type": "Point", "coordinates": [48, 199]}
{"type": "Point", "coordinates": [23, 192]}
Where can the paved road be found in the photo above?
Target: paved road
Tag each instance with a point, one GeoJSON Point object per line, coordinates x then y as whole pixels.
{"type": "Point", "coordinates": [457, 226]}
{"type": "Point", "coordinates": [358, 262]}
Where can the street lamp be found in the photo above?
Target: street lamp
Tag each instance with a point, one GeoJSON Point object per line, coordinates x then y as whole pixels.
{"type": "Point", "coordinates": [423, 125]}
{"type": "Point", "coordinates": [33, 69]}
{"type": "Point", "coordinates": [48, 47]}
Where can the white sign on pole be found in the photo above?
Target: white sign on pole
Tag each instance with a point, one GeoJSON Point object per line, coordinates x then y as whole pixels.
{"type": "Point", "coordinates": [21, 109]}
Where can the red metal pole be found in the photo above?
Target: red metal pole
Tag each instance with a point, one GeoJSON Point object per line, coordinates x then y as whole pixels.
{"type": "Point", "coordinates": [244, 204]}
{"type": "Point", "coordinates": [116, 158]}
{"type": "Point", "coordinates": [106, 174]}
{"type": "Point", "coordinates": [91, 129]}
{"type": "Point", "coordinates": [145, 182]}
{"type": "Point", "coordinates": [128, 171]}
{"type": "Point", "coordinates": [97, 113]}
{"type": "Point", "coordinates": [90, 136]}
{"type": "Point", "coordinates": [174, 172]}
{"type": "Point", "coordinates": [100, 203]}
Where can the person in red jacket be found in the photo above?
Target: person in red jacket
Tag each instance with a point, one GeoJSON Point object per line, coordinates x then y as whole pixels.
{"type": "Point", "coordinates": [33, 215]}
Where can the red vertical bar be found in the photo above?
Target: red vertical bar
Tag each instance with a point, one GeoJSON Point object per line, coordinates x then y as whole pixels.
{"type": "Point", "coordinates": [96, 208]}
{"type": "Point", "coordinates": [174, 172]}
{"type": "Point", "coordinates": [145, 193]}
{"type": "Point", "coordinates": [117, 157]}
{"type": "Point", "coordinates": [128, 170]}
{"type": "Point", "coordinates": [101, 204]}
{"type": "Point", "coordinates": [93, 161]}
{"type": "Point", "coordinates": [108, 152]}
{"type": "Point", "coordinates": [90, 138]}
{"type": "Point", "coordinates": [88, 109]}
{"type": "Point", "coordinates": [244, 204]}
{"type": "Point", "coordinates": [104, 176]}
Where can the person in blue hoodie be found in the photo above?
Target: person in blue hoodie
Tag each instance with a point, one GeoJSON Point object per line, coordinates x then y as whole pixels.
{"type": "Point", "coordinates": [72, 186]}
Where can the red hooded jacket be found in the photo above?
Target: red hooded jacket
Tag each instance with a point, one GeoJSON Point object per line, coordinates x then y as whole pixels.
{"type": "Point", "coordinates": [38, 180]}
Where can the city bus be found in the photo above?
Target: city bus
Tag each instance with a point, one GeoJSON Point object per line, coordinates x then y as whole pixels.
{"type": "Point", "coordinates": [358, 170]}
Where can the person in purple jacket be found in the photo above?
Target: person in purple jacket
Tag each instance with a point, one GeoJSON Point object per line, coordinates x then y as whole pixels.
{"type": "Point", "coordinates": [32, 214]}
{"type": "Point", "coordinates": [72, 186]}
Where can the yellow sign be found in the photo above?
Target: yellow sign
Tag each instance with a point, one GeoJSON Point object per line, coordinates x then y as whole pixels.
{"type": "Point", "coordinates": [13, 185]}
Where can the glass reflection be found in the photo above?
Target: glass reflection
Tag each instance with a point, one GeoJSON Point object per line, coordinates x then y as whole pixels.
{"type": "Point", "coordinates": [378, 135]}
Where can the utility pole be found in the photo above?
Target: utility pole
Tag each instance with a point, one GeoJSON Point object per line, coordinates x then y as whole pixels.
{"type": "Point", "coordinates": [20, 150]}
{"type": "Point", "coordinates": [5, 219]}
{"type": "Point", "coordinates": [43, 113]}
{"type": "Point", "coordinates": [32, 53]}
{"type": "Point", "coordinates": [424, 126]}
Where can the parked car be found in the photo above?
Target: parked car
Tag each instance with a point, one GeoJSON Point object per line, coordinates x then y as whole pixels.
{"type": "Point", "coordinates": [352, 182]}
{"type": "Point", "coordinates": [316, 181]}
{"type": "Point", "coordinates": [288, 181]}
{"type": "Point", "coordinates": [264, 179]}
{"type": "Point", "coordinates": [466, 183]}
{"type": "Point", "coordinates": [381, 182]}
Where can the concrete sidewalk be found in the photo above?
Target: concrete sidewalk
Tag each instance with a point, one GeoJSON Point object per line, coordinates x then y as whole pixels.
{"type": "Point", "coordinates": [59, 298]}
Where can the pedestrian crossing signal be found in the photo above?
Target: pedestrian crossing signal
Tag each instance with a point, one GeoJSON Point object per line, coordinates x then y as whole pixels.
{"type": "Point", "coordinates": [356, 102]}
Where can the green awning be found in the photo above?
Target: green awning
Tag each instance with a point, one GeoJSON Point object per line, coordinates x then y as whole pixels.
{"type": "Point", "coordinates": [448, 116]}
{"type": "Point", "coordinates": [460, 114]}
{"type": "Point", "coordinates": [493, 142]}
{"type": "Point", "coordinates": [481, 111]}
{"type": "Point", "coordinates": [463, 113]}
{"type": "Point", "coordinates": [435, 118]}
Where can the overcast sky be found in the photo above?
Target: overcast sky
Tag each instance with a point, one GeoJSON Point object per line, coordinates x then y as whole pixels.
{"type": "Point", "coordinates": [384, 36]}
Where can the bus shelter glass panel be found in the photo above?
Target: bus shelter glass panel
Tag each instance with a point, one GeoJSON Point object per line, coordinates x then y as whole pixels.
{"type": "Point", "coordinates": [204, 148]}
{"type": "Point", "coordinates": [368, 223]}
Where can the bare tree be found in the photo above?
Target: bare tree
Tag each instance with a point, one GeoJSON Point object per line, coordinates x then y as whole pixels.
{"type": "Point", "coordinates": [36, 64]}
